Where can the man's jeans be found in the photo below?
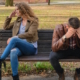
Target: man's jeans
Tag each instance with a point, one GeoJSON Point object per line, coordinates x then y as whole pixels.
{"type": "Point", "coordinates": [62, 54]}
{"type": "Point", "coordinates": [15, 48]}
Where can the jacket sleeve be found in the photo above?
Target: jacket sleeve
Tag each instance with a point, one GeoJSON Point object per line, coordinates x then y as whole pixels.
{"type": "Point", "coordinates": [31, 31]}
{"type": "Point", "coordinates": [7, 24]}
{"type": "Point", "coordinates": [57, 42]}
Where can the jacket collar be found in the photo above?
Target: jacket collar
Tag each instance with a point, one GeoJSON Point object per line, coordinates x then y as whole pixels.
{"type": "Point", "coordinates": [19, 19]}
{"type": "Point", "coordinates": [65, 29]}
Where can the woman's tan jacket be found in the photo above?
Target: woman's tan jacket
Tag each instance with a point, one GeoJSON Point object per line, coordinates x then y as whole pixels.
{"type": "Point", "coordinates": [31, 34]}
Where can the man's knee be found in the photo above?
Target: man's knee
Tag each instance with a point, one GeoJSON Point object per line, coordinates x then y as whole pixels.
{"type": "Point", "coordinates": [52, 56]}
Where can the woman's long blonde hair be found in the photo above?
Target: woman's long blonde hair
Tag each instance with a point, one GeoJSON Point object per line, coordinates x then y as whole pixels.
{"type": "Point", "coordinates": [26, 10]}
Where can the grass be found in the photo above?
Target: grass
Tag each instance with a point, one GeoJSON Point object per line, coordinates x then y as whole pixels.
{"type": "Point", "coordinates": [49, 16]}
{"type": "Point", "coordinates": [43, 66]}
{"type": "Point", "coordinates": [38, 68]}
{"type": "Point", "coordinates": [28, 68]}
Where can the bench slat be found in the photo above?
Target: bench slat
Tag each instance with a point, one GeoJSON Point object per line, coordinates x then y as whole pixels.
{"type": "Point", "coordinates": [5, 34]}
{"type": "Point", "coordinates": [40, 30]}
{"type": "Point", "coordinates": [42, 58]}
{"type": "Point", "coordinates": [40, 38]}
{"type": "Point", "coordinates": [39, 50]}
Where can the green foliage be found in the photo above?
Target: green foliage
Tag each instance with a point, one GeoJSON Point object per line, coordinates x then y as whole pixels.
{"type": "Point", "coordinates": [43, 66]}
{"type": "Point", "coordinates": [24, 67]}
{"type": "Point", "coordinates": [72, 69]}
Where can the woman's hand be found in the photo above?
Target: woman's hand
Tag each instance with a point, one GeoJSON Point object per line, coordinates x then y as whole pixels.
{"type": "Point", "coordinates": [12, 14]}
{"type": "Point", "coordinates": [8, 40]}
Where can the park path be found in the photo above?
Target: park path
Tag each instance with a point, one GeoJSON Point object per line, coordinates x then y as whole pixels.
{"type": "Point", "coordinates": [36, 77]}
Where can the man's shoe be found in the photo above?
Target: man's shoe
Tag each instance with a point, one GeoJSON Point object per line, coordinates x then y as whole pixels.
{"type": "Point", "coordinates": [61, 76]}
{"type": "Point", "coordinates": [76, 76]}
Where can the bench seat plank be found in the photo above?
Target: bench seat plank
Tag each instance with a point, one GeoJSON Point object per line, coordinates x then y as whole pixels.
{"type": "Point", "coordinates": [42, 58]}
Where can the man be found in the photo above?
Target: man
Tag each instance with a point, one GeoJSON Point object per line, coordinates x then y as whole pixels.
{"type": "Point", "coordinates": [65, 43]}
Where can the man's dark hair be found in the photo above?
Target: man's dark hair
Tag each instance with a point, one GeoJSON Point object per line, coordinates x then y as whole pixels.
{"type": "Point", "coordinates": [74, 22]}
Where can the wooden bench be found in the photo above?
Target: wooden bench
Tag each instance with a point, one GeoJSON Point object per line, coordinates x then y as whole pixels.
{"type": "Point", "coordinates": [44, 46]}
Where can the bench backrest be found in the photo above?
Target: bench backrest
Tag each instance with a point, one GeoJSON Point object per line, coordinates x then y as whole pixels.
{"type": "Point", "coordinates": [44, 46]}
{"type": "Point", "coordinates": [44, 42]}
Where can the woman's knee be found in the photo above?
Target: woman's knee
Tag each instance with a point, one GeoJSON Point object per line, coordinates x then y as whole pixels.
{"type": "Point", "coordinates": [14, 39]}
{"type": "Point", "coordinates": [13, 53]}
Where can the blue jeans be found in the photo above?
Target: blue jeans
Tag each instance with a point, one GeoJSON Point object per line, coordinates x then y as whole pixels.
{"type": "Point", "coordinates": [15, 48]}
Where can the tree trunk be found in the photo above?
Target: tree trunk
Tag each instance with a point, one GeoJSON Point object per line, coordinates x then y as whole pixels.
{"type": "Point", "coordinates": [48, 2]}
{"type": "Point", "coordinates": [9, 3]}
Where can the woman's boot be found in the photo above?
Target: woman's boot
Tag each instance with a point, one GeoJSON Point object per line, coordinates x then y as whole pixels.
{"type": "Point", "coordinates": [16, 77]}
{"type": "Point", "coordinates": [4, 63]}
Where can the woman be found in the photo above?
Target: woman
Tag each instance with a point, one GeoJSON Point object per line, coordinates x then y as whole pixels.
{"type": "Point", "coordinates": [25, 36]}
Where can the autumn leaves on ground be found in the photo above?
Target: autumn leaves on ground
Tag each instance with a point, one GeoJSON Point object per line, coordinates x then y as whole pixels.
{"type": "Point", "coordinates": [49, 17]}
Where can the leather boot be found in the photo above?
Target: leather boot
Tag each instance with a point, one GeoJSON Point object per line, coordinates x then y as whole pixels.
{"type": "Point", "coordinates": [61, 76]}
{"type": "Point", "coordinates": [2, 62]}
{"type": "Point", "coordinates": [16, 77]}
{"type": "Point", "coordinates": [76, 76]}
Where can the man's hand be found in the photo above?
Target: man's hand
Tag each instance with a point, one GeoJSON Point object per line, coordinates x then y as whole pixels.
{"type": "Point", "coordinates": [8, 40]}
{"type": "Point", "coordinates": [70, 32]}
{"type": "Point", "coordinates": [78, 32]}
